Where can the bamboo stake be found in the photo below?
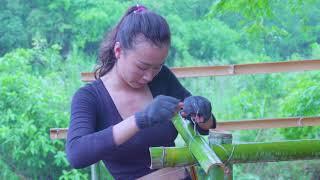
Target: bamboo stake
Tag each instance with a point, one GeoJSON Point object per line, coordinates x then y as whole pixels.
{"type": "Point", "coordinates": [199, 148]}
{"type": "Point", "coordinates": [242, 153]}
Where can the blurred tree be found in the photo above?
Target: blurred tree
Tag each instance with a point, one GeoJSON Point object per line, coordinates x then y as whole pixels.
{"type": "Point", "coordinates": [277, 28]}
{"type": "Point", "coordinates": [32, 99]}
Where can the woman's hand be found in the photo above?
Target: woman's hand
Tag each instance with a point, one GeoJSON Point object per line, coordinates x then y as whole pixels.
{"type": "Point", "coordinates": [198, 109]}
{"type": "Point", "coordinates": [160, 110]}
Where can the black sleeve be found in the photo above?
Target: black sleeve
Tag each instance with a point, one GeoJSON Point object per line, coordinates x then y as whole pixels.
{"type": "Point", "coordinates": [84, 145]}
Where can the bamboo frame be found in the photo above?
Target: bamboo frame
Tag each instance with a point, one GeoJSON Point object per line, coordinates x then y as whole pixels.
{"type": "Point", "coordinates": [227, 70]}
{"type": "Point", "coordinates": [236, 69]}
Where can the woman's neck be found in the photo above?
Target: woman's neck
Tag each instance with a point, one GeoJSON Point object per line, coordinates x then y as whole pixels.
{"type": "Point", "coordinates": [114, 79]}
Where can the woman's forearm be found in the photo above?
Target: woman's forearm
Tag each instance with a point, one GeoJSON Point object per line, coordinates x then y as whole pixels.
{"type": "Point", "coordinates": [124, 130]}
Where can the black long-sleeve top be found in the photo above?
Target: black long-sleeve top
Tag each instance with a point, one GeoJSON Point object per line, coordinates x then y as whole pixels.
{"type": "Point", "coordinates": [93, 115]}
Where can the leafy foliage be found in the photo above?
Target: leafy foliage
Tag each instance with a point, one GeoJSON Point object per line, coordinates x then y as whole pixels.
{"type": "Point", "coordinates": [33, 98]}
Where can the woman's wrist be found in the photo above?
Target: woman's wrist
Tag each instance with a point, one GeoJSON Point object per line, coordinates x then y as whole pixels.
{"type": "Point", "coordinates": [125, 130]}
{"type": "Point", "coordinates": [206, 125]}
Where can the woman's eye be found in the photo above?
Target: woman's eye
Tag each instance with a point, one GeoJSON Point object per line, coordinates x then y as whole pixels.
{"type": "Point", "coordinates": [142, 68]}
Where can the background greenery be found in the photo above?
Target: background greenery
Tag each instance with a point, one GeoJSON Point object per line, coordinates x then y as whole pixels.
{"type": "Point", "coordinates": [44, 45]}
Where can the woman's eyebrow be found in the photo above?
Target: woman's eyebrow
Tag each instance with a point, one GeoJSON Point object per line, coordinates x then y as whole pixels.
{"type": "Point", "coordinates": [147, 64]}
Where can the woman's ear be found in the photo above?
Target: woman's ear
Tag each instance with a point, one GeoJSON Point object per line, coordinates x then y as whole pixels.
{"type": "Point", "coordinates": [117, 50]}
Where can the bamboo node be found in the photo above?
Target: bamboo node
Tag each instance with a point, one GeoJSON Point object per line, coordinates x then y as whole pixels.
{"type": "Point", "coordinates": [57, 134]}
{"type": "Point", "coordinates": [232, 70]}
{"type": "Point", "coordinates": [164, 154]}
{"type": "Point", "coordinates": [299, 122]}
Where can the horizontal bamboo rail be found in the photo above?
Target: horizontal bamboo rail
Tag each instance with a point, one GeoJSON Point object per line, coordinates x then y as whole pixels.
{"type": "Point", "coordinates": [269, 123]}
{"type": "Point", "coordinates": [240, 153]}
{"type": "Point", "coordinates": [236, 69]}
{"type": "Point", "coordinates": [61, 133]}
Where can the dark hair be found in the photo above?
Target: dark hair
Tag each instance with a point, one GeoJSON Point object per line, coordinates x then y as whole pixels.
{"type": "Point", "coordinates": [137, 20]}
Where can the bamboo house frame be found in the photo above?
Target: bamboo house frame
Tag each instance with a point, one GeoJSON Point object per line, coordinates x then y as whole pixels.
{"type": "Point", "coordinates": [217, 156]}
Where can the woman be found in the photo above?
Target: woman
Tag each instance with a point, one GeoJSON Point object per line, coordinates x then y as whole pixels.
{"type": "Point", "coordinates": [128, 108]}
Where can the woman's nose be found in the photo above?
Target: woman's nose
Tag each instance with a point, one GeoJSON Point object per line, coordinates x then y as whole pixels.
{"type": "Point", "coordinates": [148, 75]}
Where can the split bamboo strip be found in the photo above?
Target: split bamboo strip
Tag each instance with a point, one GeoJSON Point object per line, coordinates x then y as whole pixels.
{"type": "Point", "coordinates": [199, 148]}
{"type": "Point", "coordinates": [236, 69]}
{"type": "Point", "coordinates": [240, 153]}
{"type": "Point", "coordinates": [61, 133]}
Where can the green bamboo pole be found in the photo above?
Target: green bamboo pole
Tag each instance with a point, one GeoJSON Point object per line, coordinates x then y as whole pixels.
{"type": "Point", "coordinates": [170, 157]}
{"type": "Point", "coordinates": [241, 153]}
{"type": "Point", "coordinates": [198, 147]}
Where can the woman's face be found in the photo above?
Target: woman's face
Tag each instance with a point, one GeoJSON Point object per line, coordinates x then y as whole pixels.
{"type": "Point", "coordinates": [139, 65]}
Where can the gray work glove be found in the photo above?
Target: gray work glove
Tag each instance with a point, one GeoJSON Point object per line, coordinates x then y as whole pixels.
{"type": "Point", "coordinates": [197, 105]}
{"type": "Point", "coordinates": [160, 110]}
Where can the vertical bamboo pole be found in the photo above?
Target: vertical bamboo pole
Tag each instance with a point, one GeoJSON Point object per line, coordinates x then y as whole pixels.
{"type": "Point", "coordinates": [220, 138]}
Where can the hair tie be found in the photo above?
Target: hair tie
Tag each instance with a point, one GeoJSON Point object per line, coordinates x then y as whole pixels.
{"type": "Point", "coordinates": [139, 9]}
